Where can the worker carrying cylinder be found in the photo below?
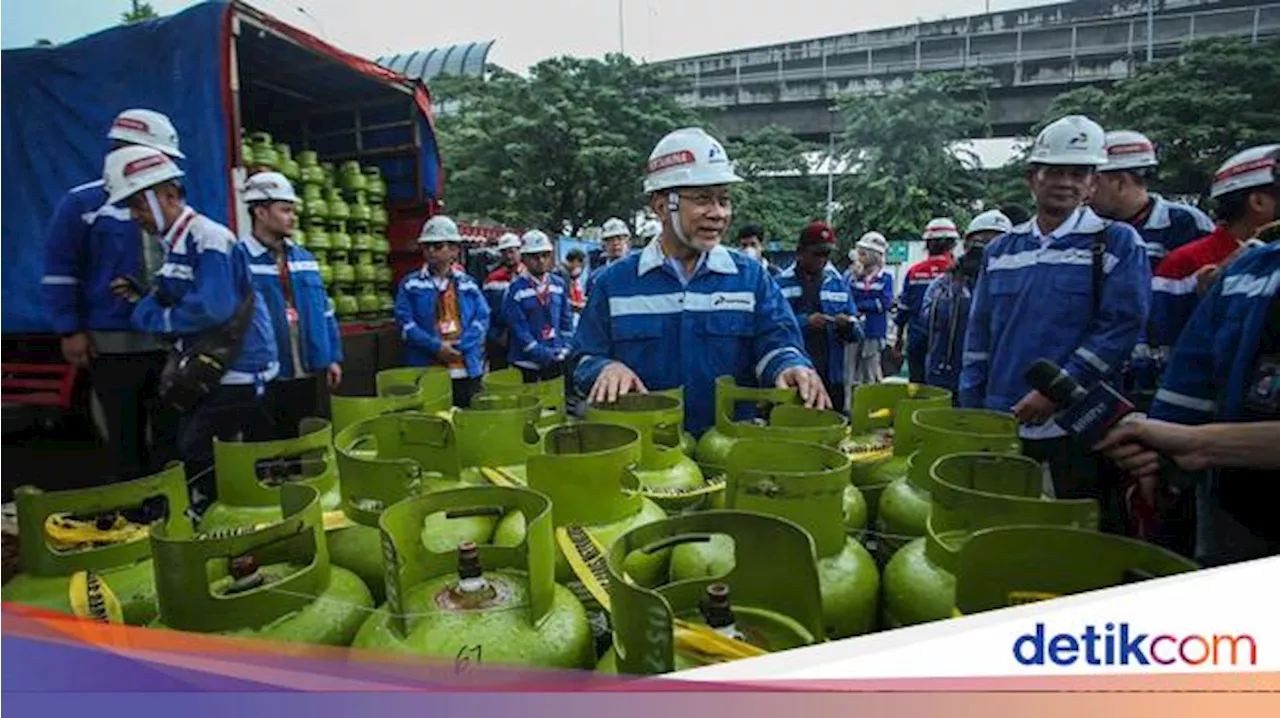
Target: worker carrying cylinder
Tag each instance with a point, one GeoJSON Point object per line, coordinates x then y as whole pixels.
{"type": "Point", "coordinates": [204, 298]}
{"type": "Point", "coordinates": [538, 311]}
{"type": "Point", "coordinates": [302, 315]}
{"type": "Point", "coordinates": [686, 310]}
{"type": "Point", "coordinates": [442, 313]}
{"type": "Point", "coordinates": [89, 243]}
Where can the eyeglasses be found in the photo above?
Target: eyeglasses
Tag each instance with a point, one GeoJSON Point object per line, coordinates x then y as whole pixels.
{"type": "Point", "coordinates": [705, 199]}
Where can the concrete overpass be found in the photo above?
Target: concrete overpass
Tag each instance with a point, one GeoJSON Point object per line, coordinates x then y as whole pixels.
{"type": "Point", "coordinates": [1032, 54]}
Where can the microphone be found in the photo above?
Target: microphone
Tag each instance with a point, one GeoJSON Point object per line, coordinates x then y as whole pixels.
{"type": "Point", "coordinates": [1085, 414]}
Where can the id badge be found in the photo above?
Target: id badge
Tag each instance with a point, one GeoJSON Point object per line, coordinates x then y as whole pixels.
{"type": "Point", "coordinates": [548, 333]}
{"type": "Point", "coordinates": [448, 326]}
{"type": "Point", "coordinates": [1263, 395]}
{"type": "Point", "coordinates": [291, 314]}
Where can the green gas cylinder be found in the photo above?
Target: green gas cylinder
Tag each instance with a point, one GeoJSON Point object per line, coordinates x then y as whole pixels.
{"type": "Point", "coordinates": [386, 303]}
{"type": "Point", "coordinates": [339, 240]}
{"type": "Point", "coordinates": [904, 504]}
{"type": "Point", "coordinates": [346, 305]}
{"type": "Point", "coordinates": [362, 243]}
{"type": "Point", "coordinates": [101, 531]}
{"type": "Point", "coordinates": [326, 271]}
{"type": "Point", "coordinates": [361, 212]}
{"type": "Point", "coordinates": [499, 433]}
{"type": "Point", "coordinates": [969, 492]}
{"type": "Point", "coordinates": [1012, 565]}
{"type": "Point", "coordinates": [249, 475]}
{"type": "Point", "coordinates": [375, 185]}
{"type": "Point", "coordinates": [882, 435]}
{"type": "Point", "coordinates": [330, 177]}
{"type": "Point", "coordinates": [666, 474]}
{"type": "Point", "coordinates": [388, 458]}
{"type": "Point", "coordinates": [803, 483]}
{"type": "Point", "coordinates": [246, 150]}
{"type": "Point", "coordinates": [477, 604]}
{"type": "Point", "coordinates": [774, 601]}
{"type": "Point", "coordinates": [299, 236]}
{"type": "Point", "coordinates": [344, 275]}
{"type": "Point", "coordinates": [368, 300]}
{"type": "Point", "coordinates": [786, 420]}
{"type": "Point", "coordinates": [273, 583]}
{"type": "Point", "coordinates": [382, 274]}
{"type": "Point", "coordinates": [586, 471]}
{"type": "Point", "coordinates": [339, 210]}
{"type": "Point", "coordinates": [365, 274]}
{"type": "Point", "coordinates": [309, 168]}
{"type": "Point", "coordinates": [550, 394]}
{"type": "Point", "coordinates": [316, 210]}
{"type": "Point", "coordinates": [422, 389]}
{"type": "Point", "coordinates": [318, 240]}
{"type": "Point", "coordinates": [288, 166]}
{"type": "Point", "coordinates": [264, 153]}
{"type": "Point", "coordinates": [378, 220]}
{"type": "Point", "coordinates": [350, 178]}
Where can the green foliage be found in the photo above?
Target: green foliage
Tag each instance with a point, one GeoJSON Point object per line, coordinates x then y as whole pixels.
{"type": "Point", "coordinates": [909, 168]}
{"type": "Point", "coordinates": [141, 11]}
{"type": "Point", "coordinates": [784, 204]}
{"type": "Point", "coordinates": [566, 144]}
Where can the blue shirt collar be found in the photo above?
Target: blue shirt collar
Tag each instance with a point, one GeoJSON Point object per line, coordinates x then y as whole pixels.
{"type": "Point", "coordinates": [1082, 221]}
{"type": "Point", "coordinates": [257, 248]}
{"type": "Point", "coordinates": [718, 260]}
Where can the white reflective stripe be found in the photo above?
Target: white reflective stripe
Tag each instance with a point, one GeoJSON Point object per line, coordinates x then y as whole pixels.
{"type": "Point", "coordinates": [925, 280]}
{"type": "Point", "coordinates": [1142, 351]}
{"type": "Point", "coordinates": [1251, 285]}
{"type": "Point", "coordinates": [654, 304]}
{"type": "Point", "coordinates": [524, 294]}
{"type": "Point", "coordinates": [764, 360]}
{"type": "Point", "coordinates": [168, 320]}
{"type": "Point", "coordinates": [418, 283]}
{"type": "Point", "coordinates": [266, 270]}
{"type": "Point", "coordinates": [530, 346]}
{"type": "Point", "coordinates": [109, 211]}
{"type": "Point", "coordinates": [1177, 287]}
{"type": "Point", "coordinates": [834, 296]}
{"type": "Point", "coordinates": [330, 313]}
{"type": "Point", "coordinates": [877, 287]}
{"type": "Point", "coordinates": [1187, 402]}
{"type": "Point", "coordinates": [1093, 360]}
{"type": "Point", "coordinates": [976, 356]}
{"type": "Point", "coordinates": [1154, 249]}
{"type": "Point", "coordinates": [458, 372]}
{"type": "Point", "coordinates": [527, 365]}
{"type": "Point", "coordinates": [790, 292]}
{"type": "Point", "coordinates": [243, 377]}
{"type": "Point", "coordinates": [176, 271]}
{"type": "Point", "coordinates": [58, 279]}
{"type": "Point", "coordinates": [404, 331]}
{"type": "Point", "coordinates": [304, 266]}
{"type": "Point", "coordinates": [496, 286]}
{"type": "Point", "coordinates": [1030, 258]}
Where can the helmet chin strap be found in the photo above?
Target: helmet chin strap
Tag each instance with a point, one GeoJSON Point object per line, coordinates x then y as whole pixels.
{"type": "Point", "coordinates": [156, 214]}
{"type": "Point", "coordinates": [673, 209]}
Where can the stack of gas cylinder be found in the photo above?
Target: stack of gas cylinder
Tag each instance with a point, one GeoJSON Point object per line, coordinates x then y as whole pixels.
{"type": "Point", "coordinates": [508, 533]}
{"type": "Point", "coordinates": [342, 219]}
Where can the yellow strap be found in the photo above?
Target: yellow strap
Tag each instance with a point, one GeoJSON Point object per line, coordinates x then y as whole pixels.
{"type": "Point", "coordinates": [65, 533]}
{"type": "Point", "coordinates": [90, 597]}
{"type": "Point", "coordinates": [500, 477]}
{"type": "Point", "coordinates": [337, 519]}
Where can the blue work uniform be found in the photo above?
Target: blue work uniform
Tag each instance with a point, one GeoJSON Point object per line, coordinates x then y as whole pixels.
{"type": "Point", "coordinates": [1034, 300]}
{"type": "Point", "coordinates": [415, 310]}
{"type": "Point", "coordinates": [833, 298]}
{"type": "Point", "coordinates": [540, 318]}
{"type": "Point", "coordinates": [727, 319]}
{"type": "Point", "coordinates": [873, 296]}
{"type": "Point", "coordinates": [1225, 367]}
{"type": "Point", "coordinates": [945, 308]}
{"type": "Point", "coordinates": [304, 326]}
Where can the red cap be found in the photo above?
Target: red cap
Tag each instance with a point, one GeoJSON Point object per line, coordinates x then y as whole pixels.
{"type": "Point", "coordinates": [818, 234]}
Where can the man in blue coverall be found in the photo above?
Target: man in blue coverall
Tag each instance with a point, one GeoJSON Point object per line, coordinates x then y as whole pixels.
{"type": "Point", "coordinates": [442, 313]}
{"type": "Point", "coordinates": [686, 310]}
{"type": "Point", "coordinates": [1066, 286]}
{"type": "Point", "coordinates": [537, 309]}
{"type": "Point", "coordinates": [91, 242]}
{"type": "Point", "coordinates": [203, 286]}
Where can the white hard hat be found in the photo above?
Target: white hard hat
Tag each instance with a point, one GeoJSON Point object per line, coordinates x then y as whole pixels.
{"type": "Point", "coordinates": [941, 228]}
{"type": "Point", "coordinates": [439, 229]}
{"type": "Point", "coordinates": [508, 241]}
{"type": "Point", "coordinates": [1071, 140]}
{"type": "Point", "coordinates": [1255, 167]}
{"type": "Point", "coordinates": [614, 227]}
{"type": "Point", "coordinates": [993, 220]}
{"type": "Point", "coordinates": [650, 229]}
{"type": "Point", "coordinates": [688, 157]}
{"type": "Point", "coordinates": [130, 170]}
{"type": "Point", "coordinates": [873, 241]}
{"type": "Point", "coordinates": [269, 187]}
{"type": "Point", "coordinates": [1129, 150]}
{"type": "Point", "coordinates": [535, 241]}
{"type": "Point", "coordinates": [147, 128]}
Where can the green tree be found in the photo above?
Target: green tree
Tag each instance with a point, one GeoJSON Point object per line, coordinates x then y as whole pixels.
{"type": "Point", "coordinates": [779, 193]}
{"type": "Point", "coordinates": [1200, 107]}
{"type": "Point", "coordinates": [566, 144]}
{"type": "Point", "coordinates": [909, 167]}
{"type": "Point", "coordinates": [141, 11]}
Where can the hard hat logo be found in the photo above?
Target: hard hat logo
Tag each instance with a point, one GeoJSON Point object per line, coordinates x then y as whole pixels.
{"type": "Point", "coordinates": [131, 123]}
{"type": "Point", "coordinates": [143, 164]}
{"type": "Point", "coordinates": [674, 159]}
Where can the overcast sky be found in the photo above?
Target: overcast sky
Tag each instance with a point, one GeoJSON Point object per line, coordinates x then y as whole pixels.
{"type": "Point", "coordinates": [526, 30]}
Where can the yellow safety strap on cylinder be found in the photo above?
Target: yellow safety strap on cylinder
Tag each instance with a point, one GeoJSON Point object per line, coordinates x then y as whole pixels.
{"type": "Point", "coordinates": [90, 597]}
{"type": "Point", "coordinates": [499, 477]}
{"type": "Point", "coordinates": [337, 519]}
{"type": "Point", "coordinates": [65, 533]}
{"type": "Point", "coordinates": [713, 485]}
{"type": "Point", "coordinates": [1017, 598]}
{"type": "Point", "coordinates": [586, 557]}
{"type": "Point", "coordinates": [880, 414]}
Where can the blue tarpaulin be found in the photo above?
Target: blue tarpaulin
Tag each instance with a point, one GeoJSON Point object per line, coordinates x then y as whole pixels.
{"type": "Point", "coordinates": [58, 103]}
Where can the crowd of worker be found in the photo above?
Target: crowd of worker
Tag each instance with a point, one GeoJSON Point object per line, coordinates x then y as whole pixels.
{"type": "Point", "coordinates": [190, 333]}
